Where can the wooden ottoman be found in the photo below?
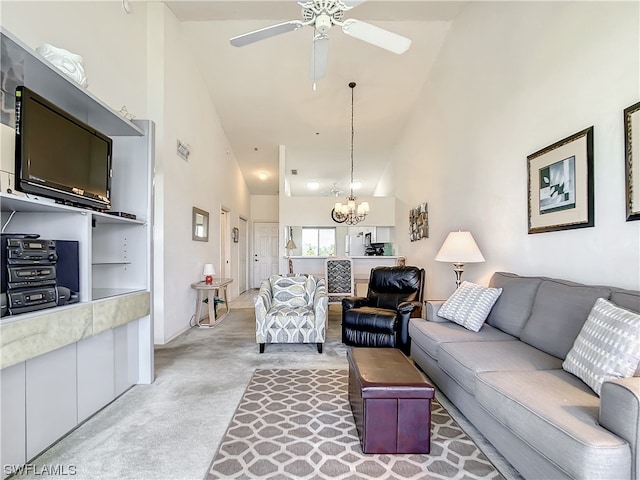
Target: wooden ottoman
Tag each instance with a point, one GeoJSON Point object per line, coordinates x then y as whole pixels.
{"type": "Point", "coordinates": [390, 401]}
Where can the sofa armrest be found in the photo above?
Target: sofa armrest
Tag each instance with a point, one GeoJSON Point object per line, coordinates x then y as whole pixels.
{"type": "Point", "coordinates": [620, 414]}
{"type": "Point", "coordinates": [431, 310]}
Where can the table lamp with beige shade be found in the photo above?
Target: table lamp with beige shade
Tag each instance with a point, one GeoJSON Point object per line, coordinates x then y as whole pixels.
{"type": "Point", "coordinates": [459, 248]}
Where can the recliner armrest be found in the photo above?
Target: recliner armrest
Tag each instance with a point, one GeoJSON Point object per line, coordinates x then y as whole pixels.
{"type": "Point", "coordinates": [354, 302]}
{"type": "Point", "coordinates": [408, 307]}
{"type": "Point", "coordinates": [620, 413]}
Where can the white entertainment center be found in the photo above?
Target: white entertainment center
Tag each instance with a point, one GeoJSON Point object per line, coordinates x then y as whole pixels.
{"type": "Point", "coordinates": [61, 365]}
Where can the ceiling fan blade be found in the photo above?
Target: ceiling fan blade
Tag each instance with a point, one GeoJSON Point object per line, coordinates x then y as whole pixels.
{"type": "Point", "coordinates": [319, 55]}
{"type": "Point", "coordinates": [353, 3]}
{"type": "Point", "coordinates": [376, 36]}
{"type": "Point", "coordinates": [273, 30]}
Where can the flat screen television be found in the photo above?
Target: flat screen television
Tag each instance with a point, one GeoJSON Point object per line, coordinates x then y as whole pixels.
{"type": "Point", "coordinates": [59, 156]}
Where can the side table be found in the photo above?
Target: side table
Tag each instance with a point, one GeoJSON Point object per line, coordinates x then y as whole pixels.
{"type": "Point", "coordinates": [218, 287]}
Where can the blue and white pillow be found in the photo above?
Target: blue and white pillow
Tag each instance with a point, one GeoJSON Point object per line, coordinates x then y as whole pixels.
{"type": "Point", "coordinates": [470, 304]}
{"type": "Point", "coordinates": [608, 346]}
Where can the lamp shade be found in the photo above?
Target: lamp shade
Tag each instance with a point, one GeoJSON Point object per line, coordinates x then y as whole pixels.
{"type": "Point", "coordinates": [459, 247]}
{"type": "Point", "coordinates": [208, 269]}
{"type": "Point", "coordinates": [291, 245]}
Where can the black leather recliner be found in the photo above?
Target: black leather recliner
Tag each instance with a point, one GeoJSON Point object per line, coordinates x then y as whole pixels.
{"type": "Point", "coordinates": [382, 318]}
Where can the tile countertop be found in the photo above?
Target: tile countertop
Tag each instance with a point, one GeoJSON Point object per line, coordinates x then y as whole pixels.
{"type": "Point", "coordinates": [29, 335]}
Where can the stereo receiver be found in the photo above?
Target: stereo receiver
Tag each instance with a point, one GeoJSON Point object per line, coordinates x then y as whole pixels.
{"type": "Point", "coordinates": [20, 276]}
{"type": "Point", "coordinates": [29, 251]}
{"type": "Point", "coordinates": [31, 299]}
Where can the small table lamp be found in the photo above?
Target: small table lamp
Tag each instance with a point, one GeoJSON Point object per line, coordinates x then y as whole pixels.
{"type": "Point", "coordinates": [208, 271]}
{"type": "Point", "coordinates": [459, 248]}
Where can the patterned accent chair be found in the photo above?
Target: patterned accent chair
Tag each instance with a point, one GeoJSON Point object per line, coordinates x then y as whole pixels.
{"type": "Point", "coordinates": [291, 309]}
{"type": "Point", "coordinates": [339, 274]}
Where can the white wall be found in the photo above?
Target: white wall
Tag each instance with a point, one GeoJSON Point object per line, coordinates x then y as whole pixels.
{"type": "Point", "coordinates": [512, 78]}
{"type": "Point", "coordinates": [210, 180]}
{"type": "Point", "coordinates": [264, 208]}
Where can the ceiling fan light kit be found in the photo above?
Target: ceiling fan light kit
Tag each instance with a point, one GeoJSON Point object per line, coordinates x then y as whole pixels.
{"type": "Point", "coordinates": [322, 15]}
{"type": "Point", "coordinates": [350, 213]}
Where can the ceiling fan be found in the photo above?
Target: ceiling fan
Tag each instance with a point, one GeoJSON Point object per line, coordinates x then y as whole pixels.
{"type": "Point", "coordinates": [334, 192]}
{"type": "Point", "coordinates": [322, 15]}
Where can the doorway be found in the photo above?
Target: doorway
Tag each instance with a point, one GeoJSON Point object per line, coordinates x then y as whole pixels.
{"type": "Point", "coordinates": [265, 256]}
{"type": "Point", "coordinates": [243, 271]}
{"type": "Point", "coordinates": [224, 244]}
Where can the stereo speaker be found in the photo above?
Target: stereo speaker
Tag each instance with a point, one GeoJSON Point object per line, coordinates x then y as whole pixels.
{"type": "Point", "coordinates": [67, 266]}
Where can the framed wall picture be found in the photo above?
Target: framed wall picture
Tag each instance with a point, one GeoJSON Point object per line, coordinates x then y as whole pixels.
{"type": "Point", "coordinates": [199, 225]}
{"type": "Point", "coordinates": [235, 234]}
{"type": "Point", "coordinates": [419, 222]}
{"type": "Point", "coordinates": [632, 160]}
{"type": "Point", "coordinates": [560, 184]}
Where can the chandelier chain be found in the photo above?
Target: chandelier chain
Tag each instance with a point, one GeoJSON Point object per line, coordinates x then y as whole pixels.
{"type": "Point", "coordinates": [350, 213]}
{"type": "Point", "coordinates": [352, 136]}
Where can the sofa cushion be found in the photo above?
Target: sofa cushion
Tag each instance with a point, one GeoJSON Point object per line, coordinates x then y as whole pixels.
{"type": "Point", "coordinates": [608, 346]}
{"type": "Point", "coordinates": [512, 310]}
{"type": "Point", "coordinates": [290, 291]}
{"type": "Point", "coordinates": [559, 311]}
{"type": "Point", "coordinates": [429, 335]}
{"type": "Point", "coordinates": [626, 299]}
{"type": "Point", "coordinates": [463, 361]}
{"type": "Point", "coordinates": [557, 415]}
{"type": "Point", "coordinates": [470, 305]}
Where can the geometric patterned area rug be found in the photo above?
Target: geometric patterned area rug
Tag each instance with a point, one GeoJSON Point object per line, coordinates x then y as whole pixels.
{"type": "Point", "coordinates": [297, 424]}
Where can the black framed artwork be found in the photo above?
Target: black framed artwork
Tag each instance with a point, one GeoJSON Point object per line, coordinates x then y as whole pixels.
{"type": "Point", "coordinates": [632, 161]}
{"type": "Point", "coordinates": [560, 184]}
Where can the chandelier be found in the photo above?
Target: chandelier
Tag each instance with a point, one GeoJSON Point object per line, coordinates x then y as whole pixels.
{"type": "Point", "coordinates": [350, 212]}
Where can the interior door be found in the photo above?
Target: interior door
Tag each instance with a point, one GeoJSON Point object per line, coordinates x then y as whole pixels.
{"type": "Point", "coordinates": [243, 285]}
{"type": "Point", "coordinates": [265, 255]}
{"type": "Point", "coordinates": [225, 270]}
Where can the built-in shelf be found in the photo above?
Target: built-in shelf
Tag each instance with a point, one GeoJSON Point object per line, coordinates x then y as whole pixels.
{"type": "Point", "coordinates": [100, 293]}
{"type": "Point", "coordinates": [11, 202]}
{"type": "Point", "coordinates": [110, 263]}
{"type": "Point", "coordinates": [107, 218]}
{"type": "Point", "coordinates": [31, 69]}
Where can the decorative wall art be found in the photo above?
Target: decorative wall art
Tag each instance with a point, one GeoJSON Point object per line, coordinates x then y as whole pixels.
{"type": "Point", "coordinates": [632, 160]}
{"type": "Point", "coordinates": [235, 234]}
{"type": "Point", "coordinates": [419, 222]}
{"type": "Point", "coordinates": [561, 184]}
{"type": "Point", "coordinates": [200, 225]}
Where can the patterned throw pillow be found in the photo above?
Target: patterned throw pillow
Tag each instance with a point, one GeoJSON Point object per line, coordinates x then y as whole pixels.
{"type": "Point", "coordinates": [470, 305]}
{"type": "Point", "coordinates": [289, 291]}
{"type": "Point", "coordinates": [608, 346]}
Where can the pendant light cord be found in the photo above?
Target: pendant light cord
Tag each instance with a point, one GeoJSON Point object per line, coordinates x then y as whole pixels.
{"type": "Point", "coordinates": [352, 85]}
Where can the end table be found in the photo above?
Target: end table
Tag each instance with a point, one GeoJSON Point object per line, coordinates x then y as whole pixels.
{"type": "Point", "coordinates": [218, 287]}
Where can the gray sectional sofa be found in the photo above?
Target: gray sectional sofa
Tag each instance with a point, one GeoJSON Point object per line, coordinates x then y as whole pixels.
{"type": "Point", "coordinates": [508, 380]}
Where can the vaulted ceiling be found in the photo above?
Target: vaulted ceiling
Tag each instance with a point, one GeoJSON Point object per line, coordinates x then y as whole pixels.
{"type": "Point", "coordinates": [264, 97]}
